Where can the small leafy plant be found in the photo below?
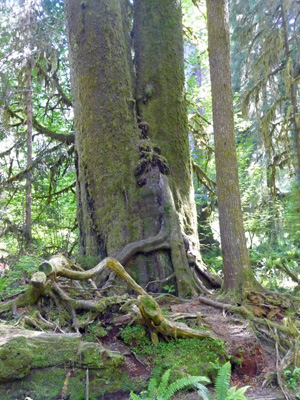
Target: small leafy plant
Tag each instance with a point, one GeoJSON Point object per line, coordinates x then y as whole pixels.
{"type": "Point", "coordinates": [292, 378]}
{"type": "Point", "coordinates": [164, 391]}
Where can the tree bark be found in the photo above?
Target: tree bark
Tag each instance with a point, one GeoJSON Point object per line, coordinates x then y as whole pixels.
{"type": "Point", "coordinates": [29, 107]}
{"type": "Point", "coordinates": [293, 89]}
{"type": "Point", "coordinates": [160, 95]}
{"type": "Point", "coordinates": [238, 274]}
{"type": "Point", "coordinates": [106, 135]}
{"type": "Point", "coordinates": [122, 184]}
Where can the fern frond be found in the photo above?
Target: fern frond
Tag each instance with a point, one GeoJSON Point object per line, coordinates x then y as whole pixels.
{"type": "Point", "coordinates": [134, 396]}
{"type": "Point", "coordinates": [234, 394]}
{"type": "Point", "coordinates": [152, 387]}
{"type": "Point", "coordinates": [164, 383]}
{"type": "Point", "coordinates": [203, 392]}
{"type": "Point", "coordinates": [153, 382]}
{"type": "Point", "coordinates": [180, 384]}
{"type": "Point", "coordinates": [222, 381]}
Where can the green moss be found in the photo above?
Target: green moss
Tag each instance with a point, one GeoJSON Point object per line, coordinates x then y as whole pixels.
{"type": "Point", "coordinates": [190, 356]}
{"type": "Point", "coordinates": [47, 384]}
{"type": "Point", "coordinates": [96, 357]}
{"type": "Point", "coordinates": [48, 353]}
{"type": "Point", "coordinates": [135, 336]}
{"type": "Point", "coordinates": [94, 331]}
{"type": "Point", "coordinates": [38, 368]}
{"type": "Point", "coordinates": [15, 359]}
{"type": "Point", "coordinates": [150, 306]}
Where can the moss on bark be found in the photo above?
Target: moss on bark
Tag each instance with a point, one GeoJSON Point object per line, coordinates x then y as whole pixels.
{"type": "Point", "coordinates": [115, 205]}
{"type": "Point", "coordinates": [106, 127]}
{"type": "Point", "coordinates": [158, 42]}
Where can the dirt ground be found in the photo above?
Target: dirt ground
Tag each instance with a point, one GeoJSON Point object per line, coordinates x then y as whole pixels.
{"type": "Point", "coordinates": [257, 353]}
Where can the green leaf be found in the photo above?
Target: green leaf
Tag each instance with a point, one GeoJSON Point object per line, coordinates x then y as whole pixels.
{"type": "Point", "coordinates": [222, 381]}
{"type": "Point", "coordinates": [180, 384]}
{"type": "Point", "coordinates": [134, 396]}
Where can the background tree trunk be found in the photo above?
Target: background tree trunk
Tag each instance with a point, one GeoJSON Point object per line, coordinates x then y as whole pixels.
{"type": "Point", "coordinates": [237, 271]}
{"type": "Point", "coordinates": [26, 15]}
{"type": "Point", "coordinates": [293, 88]}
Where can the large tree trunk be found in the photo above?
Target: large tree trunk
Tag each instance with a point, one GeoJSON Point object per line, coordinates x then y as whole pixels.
{"type": "Point", "coordinates": [158, 42]}
{"type": "Point", "coordinates": [123, 190]}
{"type": "Point", "coordinates": [160, 96]}
{"type": "Point", "coordinates": [106, 132]}
{"type": "Point", "coordinates": [238, 274]}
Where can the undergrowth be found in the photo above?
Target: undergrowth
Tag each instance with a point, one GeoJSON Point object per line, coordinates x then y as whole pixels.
{"type": "Point", "coordinates": [184, 356]}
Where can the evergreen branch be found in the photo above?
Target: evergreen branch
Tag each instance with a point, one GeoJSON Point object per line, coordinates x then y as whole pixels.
{"type": "Point", "coordinates": [64, 190]}
{"type": "Point", "coordinates": [203, 178]}
{"type": "Point", "coordinates": [60, 137]}
{"type": "Point", "coordinates": [22, 174]}
{"type": "Point", "coordinates": [8, 151]}
{"type": "Point", "coordinates": [63, 96]}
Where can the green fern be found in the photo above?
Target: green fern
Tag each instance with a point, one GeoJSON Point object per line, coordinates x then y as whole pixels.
{"type": "Point", "coordinates": [163, 391]}
{"type": "Point", "coordinates": [223, 392]}
{"type": "Point", "coordinates": [153, 383]}
{"type": "Point", "coordinates": [164, 383]}
{"type": "Point", "coordinates": [134, 396]}
{"type": "Point", "coordinates": [236, 394]}
{"type": "Point", "coordinates": [182, 383]}
{"type": "Point", "coordinates": [222, 381]}
{"type": "Point", "coordinates": [203, 392]}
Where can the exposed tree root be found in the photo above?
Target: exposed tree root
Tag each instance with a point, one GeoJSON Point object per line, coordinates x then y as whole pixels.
{"type": "Point", "coordinates": [71, 289]}
{"type": "Point", "coordinates": [289, 329]}
{"type": "Point", "coordinates": [47, 282]}
{"type": "Point", "coordinates": [158, 324]}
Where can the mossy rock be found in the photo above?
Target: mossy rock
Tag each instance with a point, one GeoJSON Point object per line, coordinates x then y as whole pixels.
{"type": "Point", "coordinates": [15, 359]}
{"type": "Point", "coordinates": [41, 366]}
{"type": "Point", "coordinates": [48, 384]}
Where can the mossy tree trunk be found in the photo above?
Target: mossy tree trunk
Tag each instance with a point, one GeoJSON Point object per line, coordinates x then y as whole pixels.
{"type": "Point", "coordinates": [123, 189]}
{"type": "Point", "coordinates": [292, 87]}
{"type": "Point", "coordinates": [158, 42]}
{"type": "Point", "coordinates": [106, 131]}
{"type": "Point", "coordinates": [238, 274]}
{"type": "Point", "coordinates": [26, 21]}
{"type": "Point", "coordinates": [160, 96]}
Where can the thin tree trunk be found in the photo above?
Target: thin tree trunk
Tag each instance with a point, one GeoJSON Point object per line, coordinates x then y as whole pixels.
{"type": "Point", "coordinates": [293, 90]}
{"type": "Point", "coordinates": [29, 123]}
{"type": "Point", "coordinates": [238, 274]}
{"type": "Point", "coordinates": [28, 220]}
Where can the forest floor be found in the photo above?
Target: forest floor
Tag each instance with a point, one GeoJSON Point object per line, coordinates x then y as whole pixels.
{"type": "Point", "coordinates": [256, 352]}
{"type": "Point", "coordinates": [251, 333]}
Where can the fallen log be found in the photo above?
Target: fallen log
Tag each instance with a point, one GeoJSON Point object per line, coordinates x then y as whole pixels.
{"type": "Point", "coordinates": [23, 350]}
